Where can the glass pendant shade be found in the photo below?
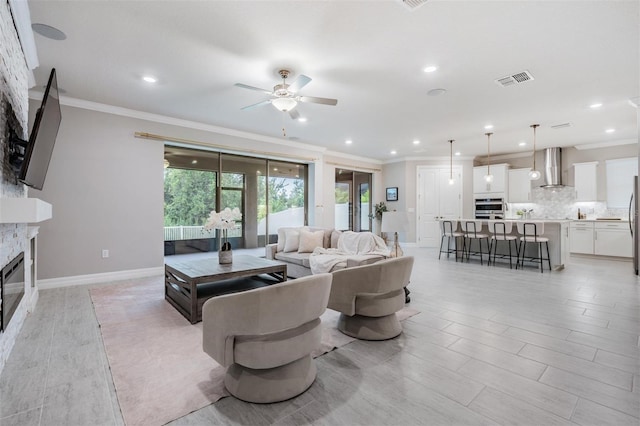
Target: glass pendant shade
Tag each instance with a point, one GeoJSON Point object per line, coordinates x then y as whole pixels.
{"type": "Point", "coordinates": [451, 180]}
{"type": "Point", "coordinates": [284, 104]}
{"type": "Point", "coordinates": [488, 177]}
{"type": "Point", "coordinates": [534, 174]}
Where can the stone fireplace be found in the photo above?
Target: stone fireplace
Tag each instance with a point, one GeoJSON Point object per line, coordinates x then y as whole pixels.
{"type": "Point", "coordinates": [14, 105]}
{"type": "Point", "coordinates": [12, 289]}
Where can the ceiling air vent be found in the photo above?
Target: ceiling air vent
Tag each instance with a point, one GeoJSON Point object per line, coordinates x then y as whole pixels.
{"type": "Point", "coordinates": [412, 4]}
{"type": "Point", "coordinates": [561, 126]}
{"type": "Point", "coordinates": [514, 79]}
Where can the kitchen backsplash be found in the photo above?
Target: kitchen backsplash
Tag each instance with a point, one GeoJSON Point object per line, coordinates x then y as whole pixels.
{"type": "Point", "coordinates": [560, 203]}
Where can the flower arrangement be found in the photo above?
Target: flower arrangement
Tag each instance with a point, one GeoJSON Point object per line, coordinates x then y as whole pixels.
{"type": "Point", "coordinates": [378, 209]}
{"type": "Point", "coordinates": [224, 220]}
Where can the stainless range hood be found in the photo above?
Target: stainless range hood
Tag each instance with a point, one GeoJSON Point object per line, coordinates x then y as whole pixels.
{"type": "Point", "coordinates": [552, 168]}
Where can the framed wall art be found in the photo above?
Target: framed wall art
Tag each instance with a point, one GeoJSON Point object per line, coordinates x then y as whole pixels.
{"type": "Point", "coordinates": [392, 194]}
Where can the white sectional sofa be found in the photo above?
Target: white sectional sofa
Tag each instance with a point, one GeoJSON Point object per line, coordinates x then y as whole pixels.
{"type": "Point", "coordinates": [296, 244]}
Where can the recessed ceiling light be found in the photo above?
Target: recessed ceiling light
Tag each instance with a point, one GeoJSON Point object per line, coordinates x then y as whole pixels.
{"type": "Point", "coordinates": [436, 92]}
{"type": "Point", "coordinates": [348, 141]}
{"type": "Point", "coordinates": [488, 127]}
{"type": "Point", "coordinates": [610, 130]}
{"type": "Point", "coordinates": [416, 142]}
{"type": "Point", "coordinates": [194, 161]}
{"type": "Point", "coordinates": [457, 153]}
{"type": "Point", "coordinates": [430, 68]}
{"type": "Point", "coordinates": [302, 119]}
{"type": "Point", "coordinates": [275, 169]}
{"type": "Point", "coordinates": [394, 152]}
{"type": "Point", "coordinates": [48, 31]}
{"type": "Point", "coordinates": [594, 106]}
{"type": "Point", "coordinates": [149, 79]}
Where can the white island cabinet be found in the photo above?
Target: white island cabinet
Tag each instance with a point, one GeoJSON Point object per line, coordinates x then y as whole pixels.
{"type": "Point", "coordinates": [556, 230]}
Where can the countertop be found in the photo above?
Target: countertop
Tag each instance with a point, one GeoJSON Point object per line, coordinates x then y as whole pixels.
{"type": "Point", "coordinates": [530, 220]}
{"type": "Point", "coordinates": [602, 220]}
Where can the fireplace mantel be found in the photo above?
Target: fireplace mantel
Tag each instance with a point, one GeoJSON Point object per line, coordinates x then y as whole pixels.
{"type": "Point", "coordinates": [24, 210]}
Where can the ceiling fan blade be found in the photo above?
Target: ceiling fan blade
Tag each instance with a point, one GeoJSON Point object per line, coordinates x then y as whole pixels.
{"type": "Point", "coordinates": [324, 101]}
{"type": "Point", "coordinates": [268, 101]}
{"type": "Point", "coordinates": [294, 114]}
{"type": "Point", "coordinates": [244, 86]}
{"type": "Point", "coordinates": [299, 83]}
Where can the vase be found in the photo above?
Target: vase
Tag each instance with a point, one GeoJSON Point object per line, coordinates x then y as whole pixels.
{"type": "Point", "coordinates": [225, 255]}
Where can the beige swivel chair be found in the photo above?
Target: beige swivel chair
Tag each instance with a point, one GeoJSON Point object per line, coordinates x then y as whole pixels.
{"type": "Point", "coordinates": [265, 337]}
{"type": "Point", "coordinates": [369, 296]}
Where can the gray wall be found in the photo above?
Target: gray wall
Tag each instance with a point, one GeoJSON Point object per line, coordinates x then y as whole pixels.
{"type": "Point", "coordinates": [106, 188]}
{"type": "Point", "coordinates": [107, 191]}
{"type": "Point", "coordinates": [403, 174]}
{"type": "Point", "coordinates": [570, 156]}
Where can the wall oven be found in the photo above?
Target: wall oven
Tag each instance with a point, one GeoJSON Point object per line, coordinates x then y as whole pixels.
{"type": "Point", "coordinates": [489, 208]}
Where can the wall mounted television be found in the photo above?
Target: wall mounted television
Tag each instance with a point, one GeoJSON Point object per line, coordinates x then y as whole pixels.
{"type": "Point", "coordinates": [30, 159]}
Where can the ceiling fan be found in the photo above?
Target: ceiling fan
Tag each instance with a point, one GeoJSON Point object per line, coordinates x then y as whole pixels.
{"type": "Point", "coordinates": [284, 96]}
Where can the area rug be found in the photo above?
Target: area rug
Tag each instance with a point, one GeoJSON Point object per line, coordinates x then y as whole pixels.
{"type": "Point", "coordinates": [159, 369]}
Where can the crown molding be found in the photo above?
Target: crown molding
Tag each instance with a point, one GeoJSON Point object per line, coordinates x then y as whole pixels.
{"type": "Point", "coordinates": [606, 144]}
{"type": "Point", "coordinates": [427, 158]}
{"type": "Point", "coordinates": [353, 157]}
{"type": "Point", "coordinates": [157, 118]}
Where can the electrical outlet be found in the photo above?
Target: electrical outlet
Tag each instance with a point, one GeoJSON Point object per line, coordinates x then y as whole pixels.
{"type": "Point", "coordinates": [105, 253]}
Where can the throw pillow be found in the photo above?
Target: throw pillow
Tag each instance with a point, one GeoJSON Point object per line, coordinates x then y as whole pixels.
{"type": "Point", "coordinates": [310, 240]}
{"type": "Point", "coordinates": [335, 236]}
{"type": "Point", "coordinates": [292, 240]}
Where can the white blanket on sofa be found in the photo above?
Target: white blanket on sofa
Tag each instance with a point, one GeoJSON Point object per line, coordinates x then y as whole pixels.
{"type": "Point", "coordinates": [350, 243]}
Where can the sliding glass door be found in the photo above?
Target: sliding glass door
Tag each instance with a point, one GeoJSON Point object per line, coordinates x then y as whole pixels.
{"type": "Point", "coordinates": [270, 194]}
{"type": "Point", "coordinates": [352, 200]}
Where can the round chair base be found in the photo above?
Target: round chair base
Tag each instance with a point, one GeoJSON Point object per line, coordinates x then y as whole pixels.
{"type": "Point", "coordinates": [370, 328]}
{"type": "Point", "coordinates": [271, 384]}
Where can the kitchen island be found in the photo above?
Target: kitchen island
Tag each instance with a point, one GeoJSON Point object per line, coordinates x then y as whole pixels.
{"type": "Point", "coordinates": [557, 231]}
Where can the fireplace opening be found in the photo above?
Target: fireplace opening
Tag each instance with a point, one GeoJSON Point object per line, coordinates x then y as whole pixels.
{"type": "Point", "coordinates": [11, 288]}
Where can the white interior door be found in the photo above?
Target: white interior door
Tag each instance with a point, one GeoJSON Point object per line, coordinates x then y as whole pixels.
{"type": "Point", "coordinates": [436, 200]}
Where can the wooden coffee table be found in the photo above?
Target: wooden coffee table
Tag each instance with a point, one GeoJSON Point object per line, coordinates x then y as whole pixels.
{"type": "Point", "coordinates": [188, 284]}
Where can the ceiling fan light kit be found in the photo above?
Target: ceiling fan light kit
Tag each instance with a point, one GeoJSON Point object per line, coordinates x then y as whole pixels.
{"type": "Point", "coordinates": [284, 96]}
{"type": "Point", "coordinates": [284, 104]}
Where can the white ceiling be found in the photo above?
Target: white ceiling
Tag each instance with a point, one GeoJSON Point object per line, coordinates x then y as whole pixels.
{"type": "Point", "coordinates": [370, 56]}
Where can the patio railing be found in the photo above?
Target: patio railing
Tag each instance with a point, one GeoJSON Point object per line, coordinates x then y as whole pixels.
{"type": "Point", "coordinates": [175, 233]}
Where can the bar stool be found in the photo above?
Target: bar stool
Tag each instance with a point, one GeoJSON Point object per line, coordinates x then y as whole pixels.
{"type": "Point", "coordinates": [531, 233]}
{"type": "Point", "coordinates": [449, 229]}
{"type": "Point", "coordinates": [500, 232]}
{"type": "Point", "coordinates": [471, 230]}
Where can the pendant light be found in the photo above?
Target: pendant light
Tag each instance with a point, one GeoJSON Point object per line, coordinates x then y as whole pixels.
{"type": "Point", "coordinates": [488, 177]}
{"type": "Point", "coordinates": [451, 180]}
{"type": "Point", "coordinates": [534, 174]}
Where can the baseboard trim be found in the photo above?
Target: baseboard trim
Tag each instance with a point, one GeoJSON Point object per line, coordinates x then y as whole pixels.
{"type": "Point", "coordinates": [99, 278]}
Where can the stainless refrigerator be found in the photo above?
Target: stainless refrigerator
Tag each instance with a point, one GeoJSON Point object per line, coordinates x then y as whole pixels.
{"type": "Point", "coordinates": [634, 225]}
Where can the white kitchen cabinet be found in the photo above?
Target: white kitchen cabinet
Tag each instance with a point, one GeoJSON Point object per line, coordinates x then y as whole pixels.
{"type": "Point", "coordinates": [586, 181]}
{"type": "Point", "coordinates": [612, 239]}
{"type": "Point", "coordinates": [519, 186]}
{"type": "Point", "coordinates": [581, 237]}
{"type": "Point", "coordinates": [620, 173]}
{"type": "Point", "coordinates": [500, 182]}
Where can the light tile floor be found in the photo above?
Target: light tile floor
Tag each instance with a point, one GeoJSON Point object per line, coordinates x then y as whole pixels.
{"type": "Point", "coordinates": [490, 346]}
